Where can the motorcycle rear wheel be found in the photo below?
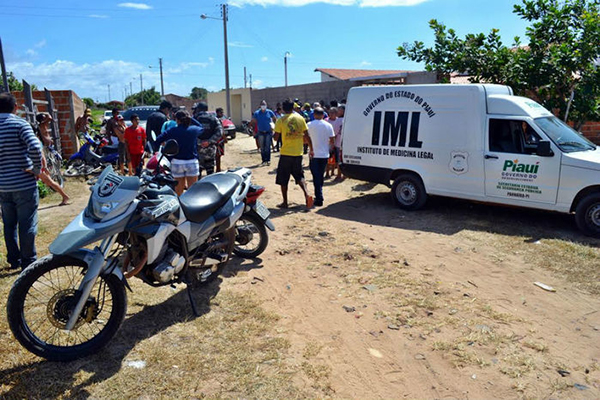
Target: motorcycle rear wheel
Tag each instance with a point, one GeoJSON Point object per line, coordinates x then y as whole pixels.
{"type": "Point", "coordinates": [75, 168]}
{"type": "Point", "coordinates": [251, 237]}
{"type": "Point", "coordinates": [40, 304]}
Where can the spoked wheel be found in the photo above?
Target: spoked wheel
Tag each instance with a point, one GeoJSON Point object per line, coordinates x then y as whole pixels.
{"type": "Point", "coordinates": [221, 244]}
{"type": "Point", "coordinates": [53, 163]}
{"type": "Point", "coordinates": [75, 168]}
{"type": "Point", "coordinates": [251, 237]}
{"type": "Point", "coordinates": [42, 299]}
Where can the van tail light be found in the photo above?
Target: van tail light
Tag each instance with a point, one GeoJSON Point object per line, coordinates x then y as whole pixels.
{"type": "Point", "coordinates": [254, 193]}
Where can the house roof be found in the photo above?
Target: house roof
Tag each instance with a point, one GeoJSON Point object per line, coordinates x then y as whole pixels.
{"type": "Point", "coordinates": [355, 74]}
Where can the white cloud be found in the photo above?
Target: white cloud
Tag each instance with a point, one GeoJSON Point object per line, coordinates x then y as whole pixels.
{"type": "Point", "coordinates": [137, 6]}
{"type": "Point", "coordinates": [264, 59]}
{"type": "Point", "coordinates": [239, 44]}
{"type": "Point", "coordinates": [365, 64]}
{"type": "Point", "coordinates": [98, 16]}
{"type": "Point", "coordinates": [31, 52]}
{"type": "Point", "coordinates": [40, 44]}
{"type": "Point", "coordinates": [296, 3]}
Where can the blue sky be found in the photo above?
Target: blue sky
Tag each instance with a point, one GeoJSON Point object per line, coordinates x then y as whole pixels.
{"type": "Point", "coordinates": [86, 46]}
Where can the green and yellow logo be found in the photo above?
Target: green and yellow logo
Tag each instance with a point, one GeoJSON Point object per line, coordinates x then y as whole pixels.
{"type": "Point", "coordinates": [514, 166]}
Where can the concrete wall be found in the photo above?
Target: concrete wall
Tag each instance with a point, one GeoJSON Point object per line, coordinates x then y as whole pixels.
{"type": "Point", "coordinates": [69, 107]}
{"type": "Point", "coordinates": [240, 104]}
{"type": "Point", "coordinates": [310, 92]}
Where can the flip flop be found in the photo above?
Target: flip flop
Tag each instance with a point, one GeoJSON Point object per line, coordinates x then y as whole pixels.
{"type": "Point", "coordinates": [282, 205]}
{"type": "Point", "coordinates": [64, 203]}
{"type": "Point", "coordinates": [310, 202]}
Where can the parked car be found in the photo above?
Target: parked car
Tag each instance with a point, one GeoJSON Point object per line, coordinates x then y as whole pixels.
{"type": "Point", "coordinates": [107, 115]}
{"type": "Point", "coordinates": [228, 126]}
{"type": "Point", "coordinates": [142, 111]}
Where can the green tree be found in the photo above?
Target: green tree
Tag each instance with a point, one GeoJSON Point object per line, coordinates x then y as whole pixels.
{"type": "Point", "coordinates": [199, 93]}
{"type": "Point", "coordinates": [14, 84]}
{"type": "Point", "coordinates": [560, 58]}
{"type": "Point", "coordinates": [89, 103]}
{"type": "Point", "coordinates": [151, 97]}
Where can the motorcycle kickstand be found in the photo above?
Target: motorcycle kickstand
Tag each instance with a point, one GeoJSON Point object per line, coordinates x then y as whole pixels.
{"type": "Point", "coordinates": [192, 302]}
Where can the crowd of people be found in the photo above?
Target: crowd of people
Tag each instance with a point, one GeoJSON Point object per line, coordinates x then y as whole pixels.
{"type": "Point", "coordinates": [294, 131]}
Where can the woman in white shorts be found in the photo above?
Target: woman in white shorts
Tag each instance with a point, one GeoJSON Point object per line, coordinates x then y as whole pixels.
{"type": "Point", "coordinates": [184, 166]}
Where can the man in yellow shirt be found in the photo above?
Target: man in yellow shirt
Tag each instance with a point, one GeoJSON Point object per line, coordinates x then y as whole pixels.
{"type": "Point", "coordinates": [293, 131]}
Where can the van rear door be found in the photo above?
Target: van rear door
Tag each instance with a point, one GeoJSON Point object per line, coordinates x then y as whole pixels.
{"type": "Point", "coordinates": [513, 170]}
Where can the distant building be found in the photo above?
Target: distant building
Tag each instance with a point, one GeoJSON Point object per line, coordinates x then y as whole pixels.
{"type": "Point", "coordinates": [334, 85]}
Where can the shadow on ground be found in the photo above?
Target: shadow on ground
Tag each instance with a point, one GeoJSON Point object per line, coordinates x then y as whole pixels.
{"type": "Point", "coordinates": [57, 380]}
{"type": "Point", "coordinates": [449, 216]}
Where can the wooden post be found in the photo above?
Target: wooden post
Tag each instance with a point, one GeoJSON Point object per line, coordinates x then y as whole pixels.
{"type": "Point", "coordinates": [54, 126]}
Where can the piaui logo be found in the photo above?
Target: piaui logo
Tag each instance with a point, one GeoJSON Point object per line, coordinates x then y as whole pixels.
{"type": "Point", "coordinates": [514, 166]}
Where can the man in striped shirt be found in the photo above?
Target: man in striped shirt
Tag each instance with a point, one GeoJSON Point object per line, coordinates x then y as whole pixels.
{"type": "Point", "coordinates": [20, 164]}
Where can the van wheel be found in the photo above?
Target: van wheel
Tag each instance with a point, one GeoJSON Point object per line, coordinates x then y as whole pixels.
{"type": "Point", "coordinates": [408, 192]}
{"type": "Point", "coordinates": [587, 215]}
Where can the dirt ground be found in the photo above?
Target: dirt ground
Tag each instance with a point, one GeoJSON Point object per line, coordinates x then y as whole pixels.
{"type": "Point", "coordinates": [380, 303]}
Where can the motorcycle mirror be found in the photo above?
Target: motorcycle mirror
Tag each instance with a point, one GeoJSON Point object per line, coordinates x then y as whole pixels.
{"type": "Point", "coordinates": [171, 148]}
{"type": "Point", "coordinates": [153, 135]}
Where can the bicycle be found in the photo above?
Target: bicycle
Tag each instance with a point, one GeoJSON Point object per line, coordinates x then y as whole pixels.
{"type": "Point", "coordinates": [54, 164]}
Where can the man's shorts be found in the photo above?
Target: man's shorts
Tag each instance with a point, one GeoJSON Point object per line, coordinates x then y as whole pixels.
{"type": "Point", "coordinates": [183, 168]}
{"type": "Point", "coordinates": [122, 153]}
{"type": "Point", "coordinates": [336, 155]}
{"type": "Point", "coordinates": [289, 165]}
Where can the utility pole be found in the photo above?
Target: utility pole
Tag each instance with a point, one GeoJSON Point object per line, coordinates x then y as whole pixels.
{"type": "Point", "coordinates": [130, 88]}
{"type": "Point", "coordinates": [162, 86]}
{"type": "Point", "coordinates": [3, 66]}
{"type": "Point", "coordinates": [108, 94]}
{"type": "Point", "coordinates": [225, 16]}
{"type": "Point", "coordinates": [245, 80]}
{"type": "Point", "coordinates": [250, 81]}
{"type": "Point", "coordinates": [142, 88]}
{"type": "Point", "coordinates": [285, 57]}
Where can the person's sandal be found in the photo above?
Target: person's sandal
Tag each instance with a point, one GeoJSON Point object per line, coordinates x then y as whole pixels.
{"type": "Point", "coordinates": [282, 205]}
{"type": "Point", "coordinates": [310, 202]}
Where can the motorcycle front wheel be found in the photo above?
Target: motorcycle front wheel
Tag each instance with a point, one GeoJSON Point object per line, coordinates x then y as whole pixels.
{"type": "Point", "coordinates": [251, 237]}
{"type": "Point", "coordinates": [41, 302]}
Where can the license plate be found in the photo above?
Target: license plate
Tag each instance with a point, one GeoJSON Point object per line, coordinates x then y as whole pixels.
{"type": "Point", "coordinates": [262, 210]}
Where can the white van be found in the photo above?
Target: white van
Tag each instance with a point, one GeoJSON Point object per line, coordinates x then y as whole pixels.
{"type": "Point", "coordinates": [477, 142]}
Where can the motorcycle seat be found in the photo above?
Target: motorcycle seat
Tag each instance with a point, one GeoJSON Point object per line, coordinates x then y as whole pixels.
{"type": "Point", "coordinates": [110, 148]}
{"type": "Point", "coordinates": [208, 195]}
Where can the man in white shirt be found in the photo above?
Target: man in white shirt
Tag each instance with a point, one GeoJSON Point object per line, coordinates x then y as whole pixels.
{"type": "Point", "coordinates": [321, 135]}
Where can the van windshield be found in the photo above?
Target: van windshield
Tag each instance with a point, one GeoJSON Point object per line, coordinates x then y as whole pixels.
{"type": "Point", "coordinates": [563, 135]}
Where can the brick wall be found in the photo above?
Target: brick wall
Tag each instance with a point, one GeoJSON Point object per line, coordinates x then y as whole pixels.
{"type": "Point", "coordinates": [591, 130]}
{"type": "Point", "coordinates": [69, 107]}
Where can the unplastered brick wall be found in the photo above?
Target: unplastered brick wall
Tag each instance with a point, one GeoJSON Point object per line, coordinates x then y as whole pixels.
{"type": "Point", "coordinates": [591, 130]}
{"type": "Point", "coordinates": [69, 107]}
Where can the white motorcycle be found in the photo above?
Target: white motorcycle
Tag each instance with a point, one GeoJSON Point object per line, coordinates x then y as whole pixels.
{"type": "Point", "coordinates": [71, 303]}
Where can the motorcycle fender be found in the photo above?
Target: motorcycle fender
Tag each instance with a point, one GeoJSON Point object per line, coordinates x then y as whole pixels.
{"type": "Point", "coordinates": [84, 230]}
{"type": "Point", "coordinates": [270, 225]}
{"type": "Point", "coordinates": [87, 256]}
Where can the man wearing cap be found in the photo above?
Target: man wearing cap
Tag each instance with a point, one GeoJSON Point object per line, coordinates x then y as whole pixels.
{"type": "Point", "coordinates": [155, 122]}
{"type": "Point", "coordinates": [263, 118]}
{"type": "Point", "coordinates": [212, 132]}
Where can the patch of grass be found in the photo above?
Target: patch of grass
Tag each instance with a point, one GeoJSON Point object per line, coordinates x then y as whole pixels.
{"type": "Point", "coordinates": [517, 364]}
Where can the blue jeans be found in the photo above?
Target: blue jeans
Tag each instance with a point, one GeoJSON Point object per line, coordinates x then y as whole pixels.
{"type": "Point", "coordinates": [264, 141]}
{"type": "Point", "coordinates": [317, 169]}
{"type": "Point", "coordinates": [19, 215]}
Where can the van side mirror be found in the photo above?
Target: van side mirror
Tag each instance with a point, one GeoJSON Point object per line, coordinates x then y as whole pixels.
{"type": "Point", "coordinates": [544, 149]}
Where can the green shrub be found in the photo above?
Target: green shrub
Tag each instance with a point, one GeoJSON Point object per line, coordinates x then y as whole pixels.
{"type": "Point", "coordinates": [43, 190]}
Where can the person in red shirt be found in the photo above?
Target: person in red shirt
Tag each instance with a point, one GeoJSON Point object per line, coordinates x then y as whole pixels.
{"type": "Point", "coordinates": [135, 142]}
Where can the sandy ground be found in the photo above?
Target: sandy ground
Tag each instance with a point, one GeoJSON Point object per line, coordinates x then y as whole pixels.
{"type": "Point", "coordinates": [382, 303]}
